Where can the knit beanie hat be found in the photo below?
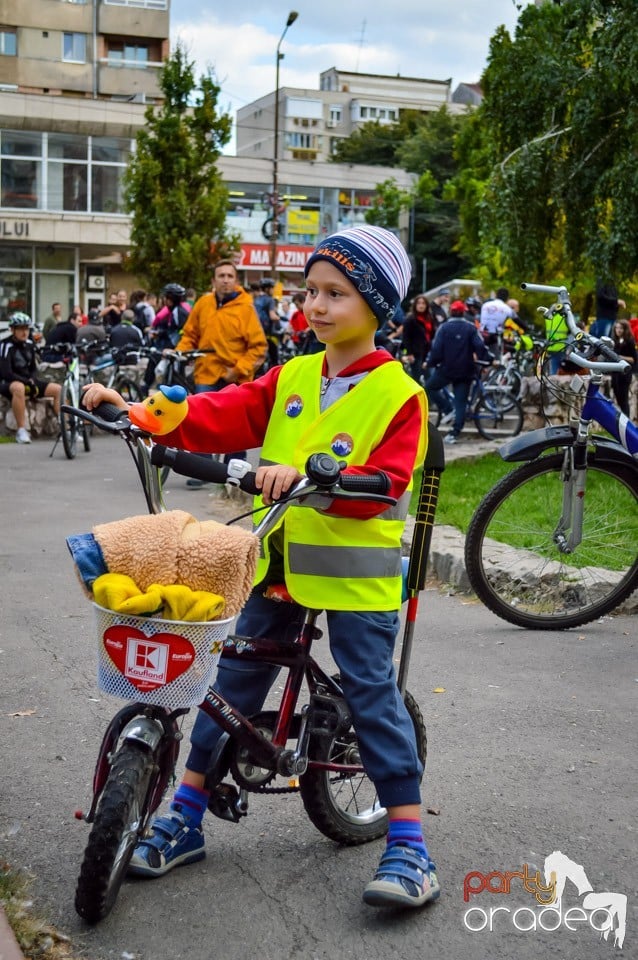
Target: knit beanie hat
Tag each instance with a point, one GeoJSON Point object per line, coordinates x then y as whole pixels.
{"type": "Point", "coordinates": [374, 261]}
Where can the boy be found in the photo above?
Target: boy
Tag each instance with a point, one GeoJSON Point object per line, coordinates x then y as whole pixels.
{"type": "Point", "coordinates": [18, 373]}
{"type": "Point", "coordinates": [356, 401]}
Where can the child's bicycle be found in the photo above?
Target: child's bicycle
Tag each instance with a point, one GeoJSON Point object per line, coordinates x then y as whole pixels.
{"type": "Point", "coordinates": [554, 543]}
{"type": "Point", "coordinates": [308, 747]}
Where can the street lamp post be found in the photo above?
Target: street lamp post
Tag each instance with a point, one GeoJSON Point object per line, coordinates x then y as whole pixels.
{"type": "Point", "coordinates": [274, 236]}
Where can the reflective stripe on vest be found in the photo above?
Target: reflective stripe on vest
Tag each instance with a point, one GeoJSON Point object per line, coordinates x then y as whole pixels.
{"type": "Point", "coordinates": [339, 563]}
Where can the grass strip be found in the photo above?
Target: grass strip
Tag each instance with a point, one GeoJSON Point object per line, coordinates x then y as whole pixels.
{"type": "Point", "coordinates": [37, 939]}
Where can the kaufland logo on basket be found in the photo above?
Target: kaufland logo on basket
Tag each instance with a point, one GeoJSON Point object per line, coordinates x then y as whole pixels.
{"type": "Point", "coordinates": [146, 660]}
{"type": "Point", "coordinates": [552, 906]}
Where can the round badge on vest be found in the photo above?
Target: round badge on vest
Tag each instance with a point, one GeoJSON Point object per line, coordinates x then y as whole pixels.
{"type": "Point", "coordinates": [342, 444]}
{"type": "Point", "coordinates": [293, 405]}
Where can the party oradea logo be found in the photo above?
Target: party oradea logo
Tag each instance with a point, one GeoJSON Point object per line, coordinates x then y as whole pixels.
{"type": "Point", "coordinates": [601, 913]}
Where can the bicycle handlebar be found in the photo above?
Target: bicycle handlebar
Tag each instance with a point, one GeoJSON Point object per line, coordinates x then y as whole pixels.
{"type": "Point", "coordinates": [613, 364]}
{"type": "Point", "coordinates": [195, 465]}
{"type": "Point", "coordinates": [324, 473]}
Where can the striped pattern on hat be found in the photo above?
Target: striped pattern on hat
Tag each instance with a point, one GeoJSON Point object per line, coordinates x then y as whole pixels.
{"type": "Point", "coordinates": [374, 261]}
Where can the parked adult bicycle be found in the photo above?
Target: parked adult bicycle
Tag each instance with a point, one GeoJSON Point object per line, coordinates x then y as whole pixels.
{"type": "Point", "coordinates": [116, 361]}
{"type": "Point", "coordinates": [554, 543]}
{"type": "Point", "coordinates": [494, 411]}
{"type": "Point", "coordinates": [519, 361]}
{"type": "Point", "coordinates": [175, 368]}
{"type": "Point", "coordinates": [70, 427]}
{"type": "Point", "coordinates": [313, 750]}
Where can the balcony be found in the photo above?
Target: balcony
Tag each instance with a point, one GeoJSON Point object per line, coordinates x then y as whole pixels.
{"type": "Point", "coordinates": [133, 20]}
{"type": "Point", "coordinates": [129, 78]}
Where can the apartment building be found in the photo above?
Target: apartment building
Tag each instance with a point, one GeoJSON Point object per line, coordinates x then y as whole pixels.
{"type": "Point", "coordinates": [75, 78]}
{"type": "Point", "coordinates": [311, 122]}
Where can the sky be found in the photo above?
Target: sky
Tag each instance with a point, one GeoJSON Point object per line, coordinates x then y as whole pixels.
{"type": "Point", "coordinates": [416, 38]}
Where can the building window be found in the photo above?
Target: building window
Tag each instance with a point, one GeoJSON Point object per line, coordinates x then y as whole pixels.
{"type": "Point", "coordinates": [8, 43]}
{"type": "Point", "coordinates": [307, 141]}
{"type": "Point", "coordinates": [335, 114]}
{"type": "Point", "coordinates": [59, 171]}
{"type": "Point", "coordinates": [127, 54]}
{"type": "Point", "coordinates": [74, 47]}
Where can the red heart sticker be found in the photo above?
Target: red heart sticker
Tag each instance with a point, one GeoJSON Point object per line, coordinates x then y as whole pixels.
{"type": "Point", "coordinates": [148, 662]}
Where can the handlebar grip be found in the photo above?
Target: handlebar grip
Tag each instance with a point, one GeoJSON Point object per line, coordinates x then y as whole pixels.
{"type": "Point", "coordinates": [198, 466]}
{"type": "Point", "coordinates": [109, 412]}
{"type": "Point", "coordinates": [607, 352]}
{"type": "Point", "coordinates": [365, 483]}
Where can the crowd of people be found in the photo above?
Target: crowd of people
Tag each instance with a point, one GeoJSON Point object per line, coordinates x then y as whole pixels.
{"type": "Point", "coordinates": [252, 331]}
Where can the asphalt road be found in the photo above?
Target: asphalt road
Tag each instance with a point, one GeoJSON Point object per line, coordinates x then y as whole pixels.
{"type": "Point", "coordinates": [532, 745]}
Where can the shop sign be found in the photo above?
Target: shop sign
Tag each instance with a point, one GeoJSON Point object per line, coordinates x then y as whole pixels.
{"type": "Point", "coordinates": [14, 228]}
{"type": "Point", "coordinates": [304, 222]}
{"type": "Point", "coordinates": [256, 256]}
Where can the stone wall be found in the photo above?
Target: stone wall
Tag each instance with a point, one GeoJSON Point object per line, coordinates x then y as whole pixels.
{"type": "Point", "coordinates": [41, 421]}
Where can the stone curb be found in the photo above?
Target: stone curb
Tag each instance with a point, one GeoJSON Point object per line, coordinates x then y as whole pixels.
{"type": "Point", "coordinates": [9, 949]}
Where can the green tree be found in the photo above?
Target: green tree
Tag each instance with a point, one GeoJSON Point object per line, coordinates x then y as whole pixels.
{"type": "Point", "coordinates": [422, 144]}
{"type": "Point", "coordinates": [388, 203]}
{"type": "Point", "coordinates": [548, 181]}
{"type": "Point", "coordinates": [173, 189]}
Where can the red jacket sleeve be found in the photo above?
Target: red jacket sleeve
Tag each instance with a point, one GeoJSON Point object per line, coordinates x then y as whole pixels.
{"type": "Point", "coordinates": [234, 418]}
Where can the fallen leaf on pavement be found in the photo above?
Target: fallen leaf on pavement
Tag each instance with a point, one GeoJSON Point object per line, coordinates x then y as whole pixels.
{"type": "Point", "coordinates": [22, 713]}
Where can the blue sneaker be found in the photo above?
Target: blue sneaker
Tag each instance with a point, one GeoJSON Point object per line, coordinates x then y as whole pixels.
{"type": "Point", "coordinates": [172, 844]}
{"type": "Point", "coordinates": [403, 879]}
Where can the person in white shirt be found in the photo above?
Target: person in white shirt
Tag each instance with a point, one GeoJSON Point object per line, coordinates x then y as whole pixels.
{"type": "Point", "coordinates": [494, 313]}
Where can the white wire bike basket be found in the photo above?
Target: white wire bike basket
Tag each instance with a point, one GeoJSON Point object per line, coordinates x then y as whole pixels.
{"type": "Point", "coordinates": [149, 660]}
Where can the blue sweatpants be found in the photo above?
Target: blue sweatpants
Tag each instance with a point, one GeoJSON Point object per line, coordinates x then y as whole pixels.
{"type": "Point", "coordinates": [362, 645]}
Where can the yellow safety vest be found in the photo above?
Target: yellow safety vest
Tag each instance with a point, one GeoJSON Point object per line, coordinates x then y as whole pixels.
{"type": "Point", "coordinates": [556, 332]}
{"type": "Point", "coordinates": [339, 563]}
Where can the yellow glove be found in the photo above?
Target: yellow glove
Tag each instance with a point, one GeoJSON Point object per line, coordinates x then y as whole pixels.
{"type": "Point", "coordinates": [182, 603]}
{"type": "Point", "coordinates": [117, 592]}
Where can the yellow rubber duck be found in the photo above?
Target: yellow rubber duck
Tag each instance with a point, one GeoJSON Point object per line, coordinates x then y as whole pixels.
{"type": "Point", "coordinates": [162, 412]}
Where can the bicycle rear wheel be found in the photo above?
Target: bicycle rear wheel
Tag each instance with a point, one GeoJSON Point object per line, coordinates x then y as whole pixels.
{"type": "Point", "coordinates": [498, 415]}
{"type": "Point", "coordinates": [69, 426]}
{"type": "Point", "coordinates": [516, 568]}
{"type": "Point", "coordinates": [128, 389]}
{"type": "Point", "coordinates": [118, 825]}
{"type": "Point", "coordinates": [345, 806]}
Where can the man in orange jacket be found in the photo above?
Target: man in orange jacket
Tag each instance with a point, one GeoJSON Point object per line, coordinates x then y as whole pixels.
{"type": "Point", "coordinates": [226, 323]}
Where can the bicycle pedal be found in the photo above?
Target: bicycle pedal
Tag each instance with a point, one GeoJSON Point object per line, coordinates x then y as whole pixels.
{"type": "Point", "coordinates": [224, 802]}
{"type": "Point", "coordinates": [328, 716]}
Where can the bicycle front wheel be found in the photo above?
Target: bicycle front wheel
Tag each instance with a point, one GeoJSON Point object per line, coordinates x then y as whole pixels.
{"type": "Point", "coordinates": [117, 827]}
{"type": "Point", "coordinates": [515, 566]}
{"type": "Point", "coordinates": [69, 427]}
{"type": "Point", "coordinates": [345, 806]}
{"type": "Point", "coordinates": [498, 415]}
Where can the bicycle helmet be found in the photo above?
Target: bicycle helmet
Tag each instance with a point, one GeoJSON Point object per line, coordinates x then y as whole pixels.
{"type": "Point", "coordinates": [20, 320]}
{"type": "Point", "coordinates": [175, 291]}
